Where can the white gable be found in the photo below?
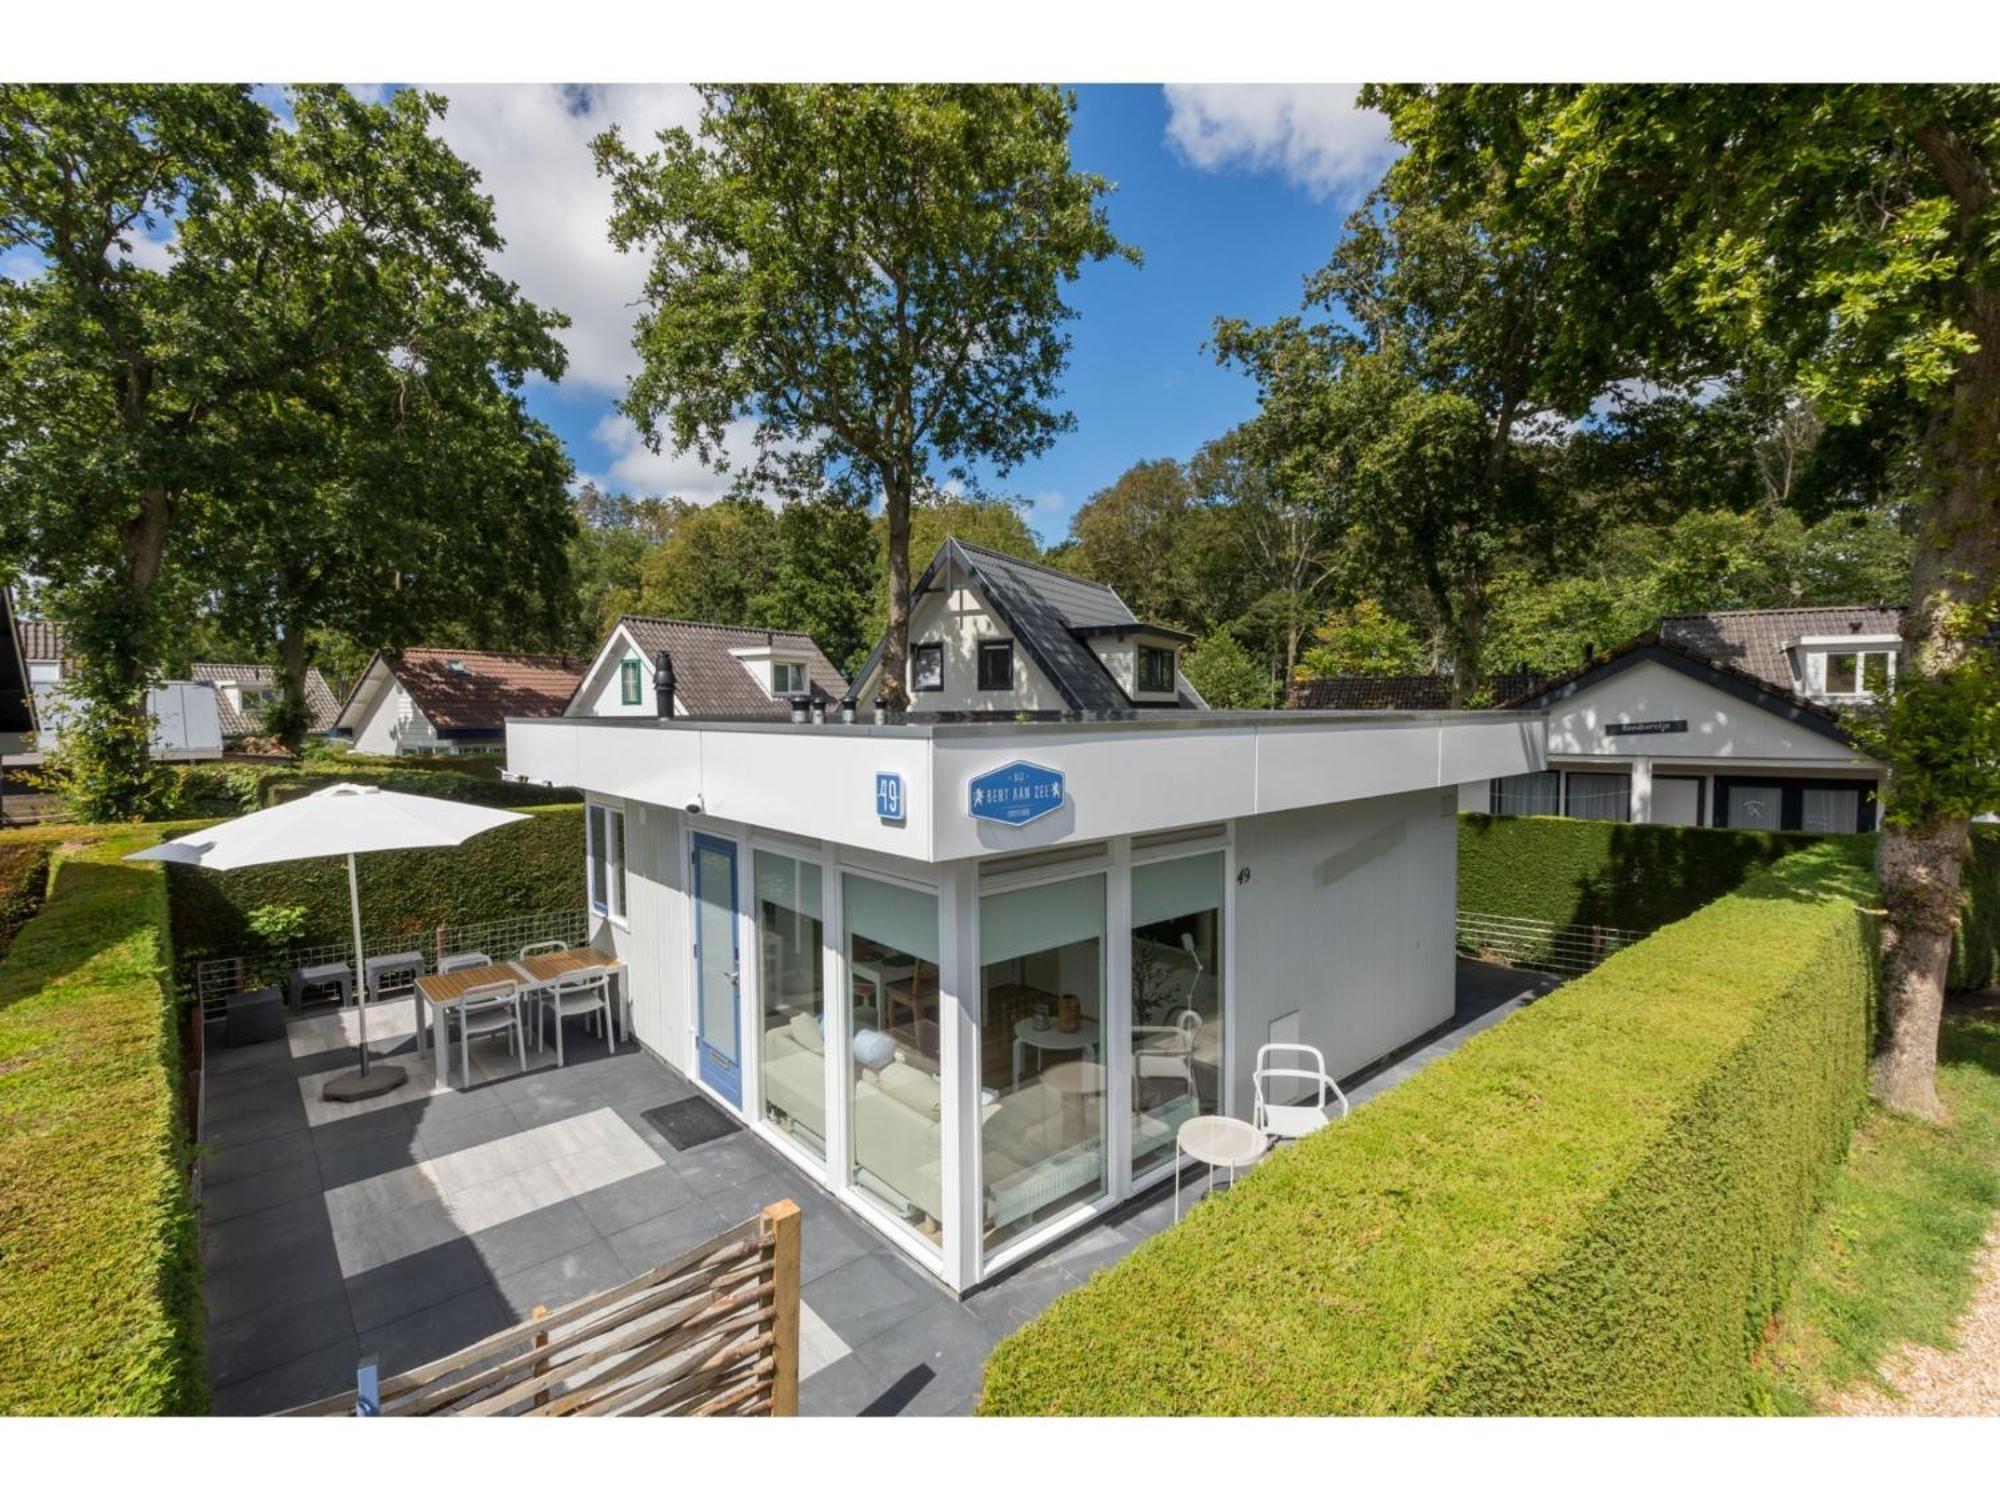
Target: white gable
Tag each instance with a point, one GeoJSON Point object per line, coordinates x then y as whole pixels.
{"type": "Point", "coordinates": [1720, 725]}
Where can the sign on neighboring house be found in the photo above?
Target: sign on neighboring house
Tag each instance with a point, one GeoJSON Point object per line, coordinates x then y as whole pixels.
{"type": "Point", "coordinates": [1649, 726]}
{"type": "Point", "coordinates": [1016, 793]}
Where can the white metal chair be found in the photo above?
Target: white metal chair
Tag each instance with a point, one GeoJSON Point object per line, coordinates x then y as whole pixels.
{"type": "Point", "coordinates": [581, 992]}
{"type": "Point", "coordinates": [1167, 1051]}
{"type": "Point", "coordinates": [548, 945]}
{"type": "Point", "coordinates": [452, 962]}
{"type": "Point", "coordinates": [488, 1010]}
{"type": "Point", "coordinates": [1287, 1122]}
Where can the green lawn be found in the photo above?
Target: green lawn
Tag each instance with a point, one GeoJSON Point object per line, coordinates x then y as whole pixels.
{"type": "Point", "coordinates": [1891, 1256]}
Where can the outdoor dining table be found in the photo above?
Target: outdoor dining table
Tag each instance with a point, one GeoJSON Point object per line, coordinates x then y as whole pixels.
{"type": "Point", "coordinates": [440, 992]}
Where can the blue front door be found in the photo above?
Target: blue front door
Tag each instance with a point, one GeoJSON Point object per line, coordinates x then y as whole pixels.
{"type": "Point", "coordinates": [717, 969]}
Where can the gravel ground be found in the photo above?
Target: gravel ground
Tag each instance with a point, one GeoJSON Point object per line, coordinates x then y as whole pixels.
{"type": "Point", "coordinates": [1960, 1382]}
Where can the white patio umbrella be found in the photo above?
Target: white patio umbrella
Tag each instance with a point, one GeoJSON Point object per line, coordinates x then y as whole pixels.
{"type": "Point", "coordinates": [345, 819]}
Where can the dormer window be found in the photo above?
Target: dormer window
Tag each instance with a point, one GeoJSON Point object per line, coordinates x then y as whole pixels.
{"type": "Point", "coordinates": [788, 679]}
{"type": "Point", "coordinates": [1859, 674]}
{"type": "Point", "coordinates": [1156, 670]}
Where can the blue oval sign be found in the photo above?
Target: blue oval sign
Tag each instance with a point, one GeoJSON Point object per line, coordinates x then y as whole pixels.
{"type": "Point", "coordinates": [1014, 794]}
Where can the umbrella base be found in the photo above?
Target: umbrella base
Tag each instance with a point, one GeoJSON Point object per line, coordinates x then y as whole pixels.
{"type": "Point", "coordinates": [350, 1087]}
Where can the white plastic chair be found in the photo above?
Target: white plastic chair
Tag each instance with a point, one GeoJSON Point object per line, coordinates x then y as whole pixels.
{"type": "Point", "coordinates": [489, 1010]}
{"type": "Point", "coordinates": [1287, 1122]}
{"type": "Point", "coordinates": [581, 992]}
{"type": "Point", "coordinates": [452, 962]}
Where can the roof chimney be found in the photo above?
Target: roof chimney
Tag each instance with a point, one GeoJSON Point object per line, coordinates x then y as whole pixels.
{"type": "Point", "coordinates": [663, 684]}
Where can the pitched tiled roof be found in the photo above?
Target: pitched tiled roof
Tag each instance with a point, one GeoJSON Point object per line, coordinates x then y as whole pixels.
{"type": "Point", "coordinates": [1754, 640]}
{"type": "Point", "coordinates": [713, 684]}
{"type": "Point", "coordinates": [476, 692]}
{"type": "Point", "coordinates": [43, 640]}
{"type": "Point", "coordinates": [1399, 692]}
{"type": "Point", "coordinates": [324, 707]}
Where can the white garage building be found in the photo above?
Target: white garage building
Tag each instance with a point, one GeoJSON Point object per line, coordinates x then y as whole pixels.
{"type": "Point", "coordinates": [972, 975]}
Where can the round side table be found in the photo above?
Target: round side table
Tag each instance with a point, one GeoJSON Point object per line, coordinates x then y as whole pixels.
{"type": "Point", "coordinates": [1216, 1141]}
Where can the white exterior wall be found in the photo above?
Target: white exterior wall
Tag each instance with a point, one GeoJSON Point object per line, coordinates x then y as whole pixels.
{"type": "Point", "coordinates": [653, 937]}
{"type": "Point", "coordinates": [958, 617]}
{"type": "Point", "coordinates": [394, 725]}
{"type": "Point", "coordinates": [1346, 921]}
{"type": "Point", "coordinates": [1721, 727]}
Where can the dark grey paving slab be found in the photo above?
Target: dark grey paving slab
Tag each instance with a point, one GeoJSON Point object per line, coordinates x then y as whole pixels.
{"type": "Point", "coordinates": [1006, 1304]}
{"type": "Point", "coordinates": [435, 1138]}
{"type": "Point", "coordinates": [292, 1151]}
{"type": "Point", "coordinates": [744, 1196]}
{"type": "Point", "coordinates": [870, 1294]}
{"type": "Point", "coordinates": [561, 1279]}
{"type": "Point", "coordinates": [713, 1167]}
{"type": "Point", "coordinates": [1091, 1251]}
{"type": "Point", "coordinates": [299, 1224]}
{"type": "Point", "coordinates": [635, 1200]}
{"type": "Point", "coordinates": [829, 1236]}
{"type": "Point", "coordinates": [311, 1377]}
{"type": "Point", "coordinates": [277, 1333]}
{"type": "Point", "coordinates": [660, 1239]}
{"type": "Point", "coordinates": [392, 1120]}
{"type": "Point", "coordinates": [437, 1330]}
{"type": "Point", "coordinates": [534, 1237]}
{"type": "Point", "coordinates": [348, 1160]}
{"type": "Point", "coordinates": [261, 1123]}
{"type": "Point", "coordinates": [844, 1388]}
{"type": "Point", "coordinates": [290, 1274]}
{"type": "Point", "coordinates": [942, 1336]}
{"type": "Point", "coordinates": [221, 1201]}
{"type": "Point", "coordinates": [402, 1287]}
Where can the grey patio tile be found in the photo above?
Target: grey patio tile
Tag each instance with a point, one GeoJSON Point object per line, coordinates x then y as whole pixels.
{"type": "Point", "coordinates": [562, 1279]}
{"type": "Point", "coordinates": [533, 1238]}
{"type": "Point", "coordinates": [278, 1333]}
{"type": "Point", "coordinates": [714, 1166]}
{"type": "Point", "coordinates": [324, 1372]}
{"type": "Point", "coordinates": [437, 1330]}
{"type": "Point", "coordinates": [223, 1062]}
{"type": "Point", "coordinates": [300, 1224]}
{"type": "Point", "coordinates": [455, 1106]}
{"type": "Point", "coordinates": [292, 1151]}
{"type": "Point", "coordinates": [352, 1160]}
{"type": "Point", "coordinates": [842, 1389]}
{"type": "Point", "coordinates": [635, 1200]}
{"type": "Point", "coordinates": [232, 1199]}
{"type": "Point", "coordinates": [437, 1138]}
{"type": "Point", "coordinates": [294, 1274]}
{"type": "Point", "coordinates": [1010, 1302]}
{"type": "Point", "coordinates": [744, 1197]}
{"type": "Point", "coordinates": [394, 1120]}
{"type": "Point", "coordinates": [660, 1239]}
{"type": "Point", "coordinates": [1091, 1251]}
{"type": "Point", "coordinates": [406, 1286]}
{"type": "Point", "coordinates": [829, 1236]}
{"type": "Point", "coordinates": [945, 1337]}
{"type": "Point", "coordinates": [260, 1123]}
{"type": "Point", "coordinates": [534, 1109]}
{"type": "Point", "coordinates": [234, 1098]}
{"type": "Point", "coordinates": [864, 1298]}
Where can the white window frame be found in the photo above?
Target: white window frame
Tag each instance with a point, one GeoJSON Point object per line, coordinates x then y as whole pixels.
{"type": "Point", "coordinates": [600, 900]}
{"type": "Point", "coordinates": [789, 667]}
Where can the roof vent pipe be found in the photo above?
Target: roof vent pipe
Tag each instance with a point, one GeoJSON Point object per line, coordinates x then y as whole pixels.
{"type": "Point", "coordinates": [663, 684]}
{"type": "Point", "coordinates": [819, 711]}
{"type": "Point", "coordinates": [882, 710]}
{"type": "Point", "coordinates": [801, 708]}
{"type": "Point", "coordinates": [848, 712]}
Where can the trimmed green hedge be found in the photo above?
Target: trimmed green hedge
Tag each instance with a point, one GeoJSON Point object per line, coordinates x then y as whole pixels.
{"type": "Point", "coordinates": [24, 878]}
{"type": "Point", "coordinates": [1582, 872]}
{"type": "Point", "coordinates": [533, 866]}
{"type": "Point", "coordinates": [1593, 1207]}
{"type": "Point", "coordinates": [1975, 958]}
{"type": "Point", "coordinates": [100, 1299]}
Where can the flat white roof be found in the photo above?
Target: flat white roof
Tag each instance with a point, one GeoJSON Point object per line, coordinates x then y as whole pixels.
{"type": "Point", "coordinates": [1129, 775]}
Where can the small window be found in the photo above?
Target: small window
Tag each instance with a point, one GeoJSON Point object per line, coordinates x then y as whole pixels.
{"type": "Point", "coordinates": [1532, 794]}
{"type": "Point", "coordinates": [628, 681]}
{"type": "Point", "coordinates": [788, 679]}
{"type": "Point", "coordinates": [996, 666]}
{"type": "Point", "coordinates": [1875, 672]}
{"type": "Point", "coordinates": [1603, 796]}
{"type": "Point", "coordinates": [1842, 673]}
{"type": "Point", "coordinates": [604, 830]}
{"type": "Point", "coordinates": [927, 667]}
{"type": "Point", "coordinates": [1156, 670]}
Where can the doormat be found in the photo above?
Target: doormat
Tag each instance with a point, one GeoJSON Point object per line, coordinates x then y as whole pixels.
{"type": "Point", "coordinates": [691, 1122]}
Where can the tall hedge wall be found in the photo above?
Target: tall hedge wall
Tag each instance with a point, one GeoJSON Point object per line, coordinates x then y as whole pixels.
{"type": "Point", "coordinates": [1975, 959]}
{"type": "Point", "coordinates": [24, 876]}
{"type": "Point", "coordinates": [1593, 1207]}
{"type": "Point", "coordinates": [524, 867]}
{"type": "Point", "coordinates": [100, 1303]}
{"type": "Point", "coordinates": [1582, 872]}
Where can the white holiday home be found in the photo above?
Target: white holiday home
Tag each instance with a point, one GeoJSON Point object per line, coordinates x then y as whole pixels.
{"type": "Point", "coordinates": [973, 975]}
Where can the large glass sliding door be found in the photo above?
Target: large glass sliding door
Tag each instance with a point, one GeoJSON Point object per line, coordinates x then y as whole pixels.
{"type": "Point", "coordinates": [895, 1088]}
{"type": "Point", "coordinates": [1176, 1048]}
{"type": "Point", "coordinates": [1042, 1062]}
{"type": "Point", "coordinates": [791, 987]}
{"type": "Point", "coordinates": [717, 967]}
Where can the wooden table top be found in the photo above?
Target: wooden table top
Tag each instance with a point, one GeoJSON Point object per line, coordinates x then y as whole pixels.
{"type": "Point", "coordinates": [547, 966]}
{"type": "Point", "coordinates": [443, 989]}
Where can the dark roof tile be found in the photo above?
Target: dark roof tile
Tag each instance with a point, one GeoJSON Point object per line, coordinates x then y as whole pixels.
{"type": "Point", "coordinates": [712, 683]}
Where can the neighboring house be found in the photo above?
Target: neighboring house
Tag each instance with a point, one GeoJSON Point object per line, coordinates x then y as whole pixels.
{"type": "Point", "coordinates": [187, 719]}
{"type": "Point", "coordinates": [1427, 692]}
{"type": "Point", "coordinates": [1734, 719]}
{"type": "Point", "coordinates": [243, 689]}
{"type": "Point", "coordinates": [994, 637]}
{"type": "Point", "coordinates": [17, 702]}
{"type": "Point", "coordinates": [720, 672]}
{"type": "Point", "coordinates": [428, 701]}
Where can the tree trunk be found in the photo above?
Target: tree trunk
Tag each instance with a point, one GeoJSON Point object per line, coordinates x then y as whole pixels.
{"type": "Point", "coordinates": [896, 648]}
{"type": "Point", "coordinates": [293, 714]}
{"type": "Point", "coordinates": [1922, 848]}
{"type": "Point", "coordinates": [111, 735]}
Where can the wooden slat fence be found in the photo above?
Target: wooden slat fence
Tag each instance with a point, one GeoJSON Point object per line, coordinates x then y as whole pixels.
{"type": "Point", "coordinates": [714, 1332]}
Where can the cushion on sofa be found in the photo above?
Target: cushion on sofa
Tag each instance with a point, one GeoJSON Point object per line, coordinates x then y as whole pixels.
{"type": "Point", "coordinates": [804, 1028]}
{"type": "Point", "coordinates": [912, 1088]}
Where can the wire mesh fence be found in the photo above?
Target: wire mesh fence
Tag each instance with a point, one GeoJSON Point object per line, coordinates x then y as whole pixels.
{"type": "Point", "coordinates": [1551, 947]}
{"type": "Point", "coordinates": [215, 979]}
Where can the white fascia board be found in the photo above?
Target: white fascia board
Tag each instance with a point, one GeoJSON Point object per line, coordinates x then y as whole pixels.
{"type": "Point", "coordinates": [1875, 642]}
{"type": "Point", "coordinates": [589, 684]}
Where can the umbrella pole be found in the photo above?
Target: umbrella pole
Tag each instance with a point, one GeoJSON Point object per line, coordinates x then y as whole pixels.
{"type": "Point", "coordinates": [363, 1082]}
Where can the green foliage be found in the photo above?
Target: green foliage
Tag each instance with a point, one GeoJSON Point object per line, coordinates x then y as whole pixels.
{"type": "Point", "coordinates": [1892, 1258]}
{"type": "Point", "coordinates": [1225, 674]}
{"type": "Point", "coordinates": [100, 1301]}
{"type": "Point", "coordinates": [534, 866]}
{"type": "Point", "coordinates": [1591, 1208]}
{"type": "Point", "coordinates": [1975, 959]}
{"type": "Point", "coordinates": [872, 275]}
{"type": "Point", "coordinates": [277, 926]}
{"type": "Point", "coordinates": [1583, 872]}
{"type": "Point", "coordinates": [24, 878]}
{"type": "Point", "coordinates": [1363, 640]}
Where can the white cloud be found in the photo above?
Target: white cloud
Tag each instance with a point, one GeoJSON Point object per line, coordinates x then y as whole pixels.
{"type": "Point", "coordinates": [531, 144]}
{"type": "Point", "coordinates": [1314, 133]}
{"type": "Point", "coordinates": [638, 470]}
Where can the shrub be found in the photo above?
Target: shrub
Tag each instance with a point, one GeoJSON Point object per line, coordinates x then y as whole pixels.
{"type": "Point", "coordinates": [524, 867]}
{"type": "Point", "coordinates": [24, 876]}
{"type": "Point", "coordinates": [1575, 871]}
{"type": "Point", "coordinates": [100, 1306]}
{"type": "Point", "coordinates": [1592, 1207]}
{"type": "Point", "coordinates": [1975, 958]}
